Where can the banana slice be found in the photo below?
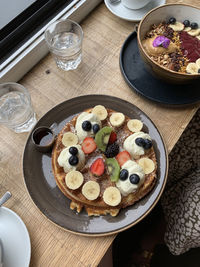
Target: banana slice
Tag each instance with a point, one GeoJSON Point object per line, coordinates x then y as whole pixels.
{"type": "Point", "coordinates": [69, 139]}
{"type": "Point", "coordinates": [112, 196]}
{"type": "Point", "coordinates": [198, 63]}
{"type": "Point", "coordinates": [91, 190]}
{"type": "Point", "coordinates": [147, 165]}
{"type": "Point", "coordinates": [198, 37]}
{"type": "Point", "coordinates": [73, 179]}
{"type": "Point", "coordinates": [178, 26]}
{"type": "Point", "coordinates": [187, 29]}
{"type": "Point", "coordinates": [192, 68]}
{"type": "Point", "coordinates": [194, 32]}
{"type": "Point", "coordinates": [117, 119]}
{"type": "Point", "coordinates": [100, 111]}
{"type": "Point", "coordinates": [135, 125]}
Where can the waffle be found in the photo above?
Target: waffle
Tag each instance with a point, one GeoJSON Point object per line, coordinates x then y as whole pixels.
{"type": "Point", "coordinates": [98, 206]}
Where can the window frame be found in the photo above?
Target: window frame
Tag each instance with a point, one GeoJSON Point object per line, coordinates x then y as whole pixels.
{"type": "Point", "coordinates": [35, 48]}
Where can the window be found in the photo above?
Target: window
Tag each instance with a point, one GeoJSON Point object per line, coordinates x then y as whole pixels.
{"type": "Point", "coordinates": [22, 29]}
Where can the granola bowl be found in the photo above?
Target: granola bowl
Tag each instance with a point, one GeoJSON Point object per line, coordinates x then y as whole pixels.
{"type": "Point", "coordinates": [169, 42]}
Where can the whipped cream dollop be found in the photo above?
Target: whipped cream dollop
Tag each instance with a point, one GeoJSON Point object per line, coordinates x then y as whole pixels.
{"type": "Point", "coordinates": [126, 187]}
{"type": "Point", "coordinates": [134, 150]}
{"type": "Point", "coordinates": [85, 116]}
{"type": "Point", "coordinates": [63, 159]}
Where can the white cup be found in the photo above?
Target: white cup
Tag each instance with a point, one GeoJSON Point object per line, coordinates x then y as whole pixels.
{"type": "Point", "coordinates": [135, 4]}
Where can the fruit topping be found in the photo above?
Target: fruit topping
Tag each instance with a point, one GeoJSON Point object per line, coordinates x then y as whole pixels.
{"type": "Point", "coordinates": [147, 165]}
{"type": "Point", "coordinates": [112, 150]}
{"type": "Point", "coordinates": [186, 23]}
{"type": "Point", "coordinates": [113, 138]}
{"type": "Point", "coordinates": [112, 196]}
{"type": "Point", "coordinates": [172, 20]}
{"type": "Point", "coordinates": [73, 179]}
{"type": "Point", "coordinates": [102, 137]}
{"type": "Point", "coordinates": [88, 145]}
{"type": "Point", "coordinates": [194, 25]}
{"type": "Point", "coordinates": [194, 32]}
{"type": "Point", "coordinates": [91, 190]}
{"type": "Point", "coordinates": [117, 119]}
{"type": "Point", "coordinates": [192, 68]}
{"type": "Point", "coordinates": [97, 168]}
{"type": "Point", "coordinates": [73, 150]}
{"type": "Point", "coordinates": [123, 174]}
{"type": "Point", "coordinates": [69, 139]}
{"type": "Point", "coordinates": [73, 160]}
{"type": "Point", "coordinates": [190, 46]}
{"type": "Point", "coordinates": [86, 126]}
{"type": "Point", "coordinates": [147, 144]}
{"type": "Point", "coordinates": [177, 26]}
{"type": "Point", "coordinates": [100, 111]}
{"type": "Point", "coordinates": [122, 157]}
{"type": "Point", "coordinates": [134, 178]}
{"type": "Point", "coordinates": [135, 125]}
{"type": "Point", "coordinates": [140, 141]}
{"type": "Point", "coordinates": [95, 128]}
{"type": "Point", "coordinates": [113, 169]}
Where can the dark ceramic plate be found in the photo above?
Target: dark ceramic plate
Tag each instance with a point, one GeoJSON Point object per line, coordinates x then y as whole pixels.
{"type": "Point", "coordinates": [54, 205]}
{"type": "Point", "coordinates": [141, 81]}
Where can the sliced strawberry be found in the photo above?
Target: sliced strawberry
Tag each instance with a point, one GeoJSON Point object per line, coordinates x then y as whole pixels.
{"type": "Point", "coordinates": [122, 157]}
{"type": "Point", "coordinates": [98, 167]}
{"type": "Point", "coordinates": [88, 145]}
{"type": "Point", "coordinates": [113, 138]}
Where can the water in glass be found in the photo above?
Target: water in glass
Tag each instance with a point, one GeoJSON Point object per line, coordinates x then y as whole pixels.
{"type": "Point", "coordinates": [67, 50]}
{"type": "Point", "coordinates": [16, 111]}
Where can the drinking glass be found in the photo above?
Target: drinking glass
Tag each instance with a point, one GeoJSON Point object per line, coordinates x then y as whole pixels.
{"type": "Point", "coordinates": [64, 39]}
{"type": "Point", "coordinates": [16, 110]}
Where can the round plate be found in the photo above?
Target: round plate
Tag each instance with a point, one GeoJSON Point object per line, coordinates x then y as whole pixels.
{"type": "Point", "coordinates": [49, 199]}
{"type": "Point", "coordinates": [130, 14]}
{"type": "Point", "coordinates": [15, 239]}
{"type": "Point", "coordinates": [141, 81]}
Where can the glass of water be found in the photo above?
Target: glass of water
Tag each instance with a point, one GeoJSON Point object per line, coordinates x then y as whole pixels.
{"type": "Point", "coordinates": [64, 39]}
{"type": "Point", "coordinates": [16, 110]}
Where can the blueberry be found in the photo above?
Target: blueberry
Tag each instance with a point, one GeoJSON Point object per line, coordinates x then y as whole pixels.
{"type": "Point", "coordinates": [95, 128]}
{"type": "Point", "coordinates": [186, 23]}
{"type": "Point", "coordinates": [73, 160]}
{"type": "Point", "coordinates": [123, 174]}
{"type": "Point", "coordinates": [134, 178]}
{"type": "Point", "coordinates": [172, 20]}
{"type": "Point", "coordinates": [140, 141]}
{"type": "Point", "coordinates": [87, 126]}
{"type": "Point", "coordinates": [73, 150]}
{"type": "Point", "coordinates": [198, 70]}
{"type": "Point", "coordinates": [194, 25]}
{"type": "Point", "coordinates": [147, 144]}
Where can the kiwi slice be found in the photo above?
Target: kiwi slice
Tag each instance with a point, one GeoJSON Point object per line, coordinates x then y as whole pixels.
{"type": "Point", "coordinates": [102, 138]}
{"type": "Point", "coordinates": [113, 169]}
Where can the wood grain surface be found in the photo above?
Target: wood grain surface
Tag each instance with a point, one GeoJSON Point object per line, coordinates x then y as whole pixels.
{"type": "Point", "coordinates": [99, 73]}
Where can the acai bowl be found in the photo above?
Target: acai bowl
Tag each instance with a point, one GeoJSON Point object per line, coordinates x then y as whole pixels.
{"type": "Point", "coordinates": [169, 42]}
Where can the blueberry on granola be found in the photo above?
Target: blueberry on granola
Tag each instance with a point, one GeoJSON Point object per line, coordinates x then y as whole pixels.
{"type": "Point", "coordinates": [186, 23]}
{"type": "Point", "coordinates": [172, 20]}
{"type": "Point", "coordinates": [194, 25]}
{"type": "Point", "coordinates": [198, 70]}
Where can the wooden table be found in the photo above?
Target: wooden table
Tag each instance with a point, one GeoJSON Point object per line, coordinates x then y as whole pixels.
{"type": "Point", "coordinates": [99, 73]}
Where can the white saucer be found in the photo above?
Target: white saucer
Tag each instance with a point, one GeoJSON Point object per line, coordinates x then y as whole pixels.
{"type": "Point", "coordinates": [130, 14]}
{"type": "Point", "coordinates": [15, 239]}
